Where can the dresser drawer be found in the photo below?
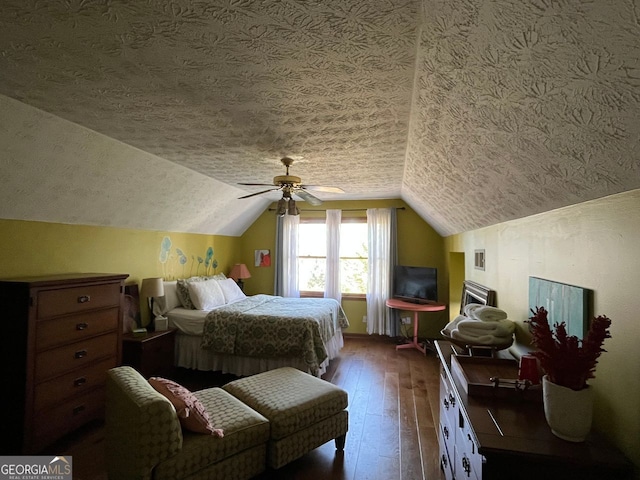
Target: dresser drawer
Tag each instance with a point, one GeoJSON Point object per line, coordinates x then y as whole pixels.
{"type": "Point", "coordinates": [468, 462]}
{"type": "Point", "coordinates": [445, 462]}
{"type": "Point", "coordinates": [77, 299]}
{"type": "Point", "coordinates": [73, 328]}
{"type": "Point", "coordinates": [448, 410]}
{"type": "Point", "coordinates": [49, 393]}
{"type": "Point", "coordinates": [56, 361]}
{"type": "Point", "coordinates": [51, 424]}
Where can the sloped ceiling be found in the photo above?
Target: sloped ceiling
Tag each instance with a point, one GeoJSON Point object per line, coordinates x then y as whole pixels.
{"type": "Point", "coordinates": [473, 111]}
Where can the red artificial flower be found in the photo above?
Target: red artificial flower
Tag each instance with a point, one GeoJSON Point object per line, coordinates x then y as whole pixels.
{"type": "Point", "coordinates": [565, 359]}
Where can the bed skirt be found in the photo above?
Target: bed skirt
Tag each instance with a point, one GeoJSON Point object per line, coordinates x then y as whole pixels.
{"type": "Point", "coordinates": [189, 354]}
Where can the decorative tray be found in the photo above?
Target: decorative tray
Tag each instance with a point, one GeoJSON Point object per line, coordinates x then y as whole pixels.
{"type": "Point", "coordinates": [493, 377]}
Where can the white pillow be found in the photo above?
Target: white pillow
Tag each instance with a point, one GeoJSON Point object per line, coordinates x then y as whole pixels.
{"type": "Point", "coordinates": [169, 301]}
{"type": "Point", "coordinates": [206, 295]}
{"type": "Point", "coordinates": [231, 290]}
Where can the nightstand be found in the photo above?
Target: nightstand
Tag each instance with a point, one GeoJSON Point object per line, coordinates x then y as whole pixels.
{"type": "Point", "coordinates": [152, 354]}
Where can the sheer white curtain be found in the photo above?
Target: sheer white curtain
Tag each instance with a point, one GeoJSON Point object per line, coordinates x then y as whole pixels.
{"type": "Point", "coordinates": [382, 257]}
{"type": "Point", "coordinates": [286, 271]}
{"type": "Point", "coordinates": [332, 279]}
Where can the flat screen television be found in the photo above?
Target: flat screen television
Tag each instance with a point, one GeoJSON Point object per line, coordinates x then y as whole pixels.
{"type": "Point", "coordinates": [415, 284]}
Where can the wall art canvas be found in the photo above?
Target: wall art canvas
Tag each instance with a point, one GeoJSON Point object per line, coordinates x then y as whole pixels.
{"type": "Point", "coordinates": [565, 303]}
{"type": "Point", "coordinates": [263, 258]}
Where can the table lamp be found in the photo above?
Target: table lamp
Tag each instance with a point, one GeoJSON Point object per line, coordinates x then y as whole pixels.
{"type": "Point", "coordinates": [238, 272]}
{"type": "Point", "coordinates": [152, 287]}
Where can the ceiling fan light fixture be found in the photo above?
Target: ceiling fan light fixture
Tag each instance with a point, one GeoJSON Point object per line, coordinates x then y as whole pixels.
{"type": "Point", "coordinates": [291, 185]}
{"type": "Point", "coordinates": [293, 209]}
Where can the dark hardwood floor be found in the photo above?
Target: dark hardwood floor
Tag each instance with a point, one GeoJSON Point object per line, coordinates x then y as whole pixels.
{"type": "Point", "coordinates": [393, 418]}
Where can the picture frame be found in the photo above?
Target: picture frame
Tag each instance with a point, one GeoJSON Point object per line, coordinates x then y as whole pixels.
{"type": "Point", "coordinates": [262, 258]}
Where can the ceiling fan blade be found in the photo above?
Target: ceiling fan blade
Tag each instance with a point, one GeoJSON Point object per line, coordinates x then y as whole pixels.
{"type": "Point", "coordinates": [320, 188]}
{"type": "Point", "coordinates": [258, 184]}
{"type": "Point", "coordinates": [258, 193]}
{"type": "Point", "coordinates": [307, 197]}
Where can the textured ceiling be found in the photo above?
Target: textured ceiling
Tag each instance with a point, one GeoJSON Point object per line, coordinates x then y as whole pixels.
{"type": "Point", "coordinates": [473, 111]}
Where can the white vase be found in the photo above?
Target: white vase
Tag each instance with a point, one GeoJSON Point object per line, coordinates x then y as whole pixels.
{"type": "Point", "coordinates": [568, 412]}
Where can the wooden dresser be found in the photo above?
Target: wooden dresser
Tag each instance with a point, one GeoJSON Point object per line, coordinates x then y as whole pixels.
{"type": "Point", "coordinates": [61, 334]}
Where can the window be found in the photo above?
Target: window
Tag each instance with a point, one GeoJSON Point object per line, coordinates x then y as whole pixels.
{"type": "Point", "coordinates": [312, 255]}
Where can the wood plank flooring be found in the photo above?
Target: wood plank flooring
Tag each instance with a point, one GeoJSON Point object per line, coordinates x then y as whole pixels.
{"type": "Point", "coordinates": [393, 418]}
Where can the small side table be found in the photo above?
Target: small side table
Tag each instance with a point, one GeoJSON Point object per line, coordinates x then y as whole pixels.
{"type": "Point", "coordinates": [415, 308]}
{"type": "Point", "coordinates": [152, 354]}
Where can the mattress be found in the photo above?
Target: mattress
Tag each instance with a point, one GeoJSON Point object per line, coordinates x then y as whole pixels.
{"type": "Point", "coordinates": [187, 321]}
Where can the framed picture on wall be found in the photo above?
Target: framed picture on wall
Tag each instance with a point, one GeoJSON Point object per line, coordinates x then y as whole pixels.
{"type": "Point", "coordinates": [263, 258]}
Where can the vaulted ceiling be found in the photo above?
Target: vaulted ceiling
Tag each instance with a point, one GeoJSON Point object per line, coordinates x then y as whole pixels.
{"type": "Point", "coordinates": [473, 111]}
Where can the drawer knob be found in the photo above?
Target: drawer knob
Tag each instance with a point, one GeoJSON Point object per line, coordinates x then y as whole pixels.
{"type": "Point", "coordinates": [78, 409]}
{"type": "Point", "coordinates": [82, 326]}
{"type": "Point", "coordinates": [466, 465]}
{"type": "Point", "coordinates": [80, 354]}
{"type": "Point", "coordinates": [446, 432]}
{"type": "Point", "coordinates": [84, 298]}
{"type": "Point", "coordinates": [443, 462]}
{"type": "Point", "coordinates": [452, 399]}
{"type": "Point", "coordinates": [446, 403]}
{"type": "Point", "coordinates": [78, 382]}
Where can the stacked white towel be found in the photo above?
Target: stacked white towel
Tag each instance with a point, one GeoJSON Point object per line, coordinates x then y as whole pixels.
{"type": "Point", "coordinates": [500, 328]}
{"type": "Point", "coordinates": [483, 326]}
{"type": "Point", "coordinates": [484, 313]}
{"type": "Point", "coordinates": [453, 325]}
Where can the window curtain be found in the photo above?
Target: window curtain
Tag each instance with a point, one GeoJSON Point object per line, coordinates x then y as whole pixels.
{"type": "Point", "coordinates": [286, 271]}
{"type": "Point", "coordinates": [383, 256]}
{"type": "Point", "coordinates": [332, 279]}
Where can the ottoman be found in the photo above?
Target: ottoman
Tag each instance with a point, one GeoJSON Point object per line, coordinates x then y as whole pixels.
{"type": "Point", "coordinates": [304, 412]}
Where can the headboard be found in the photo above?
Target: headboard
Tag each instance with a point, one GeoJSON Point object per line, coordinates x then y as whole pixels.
{"type": "Point", "coordinates": [475, 293]}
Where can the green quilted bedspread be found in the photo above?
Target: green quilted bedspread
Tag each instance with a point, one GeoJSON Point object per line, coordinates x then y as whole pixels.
{"type": "Point", "coordinates": [271, 326]}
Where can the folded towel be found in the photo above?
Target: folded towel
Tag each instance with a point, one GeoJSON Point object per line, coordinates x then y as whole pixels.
{"type": "Point", "coordinates": [487, 340]}
{"type": "Point", "coordinates": [499, 328]}
{"type": "Point", "coordinates": [469, 308]}
{"type": "Point", "coordinates": [452, 325]}
{"type": "Point", "coordinates": [488, 314]}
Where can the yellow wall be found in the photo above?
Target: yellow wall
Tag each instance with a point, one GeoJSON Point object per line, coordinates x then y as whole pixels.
{"type": "Point", "coordinates": [455, 267]}
{"type": "Point", "coordinates": [418, 245]}
{"type": "Point", "coordinates": [593, 245]}
{"type": "Point", "coordinates": [39, 248]}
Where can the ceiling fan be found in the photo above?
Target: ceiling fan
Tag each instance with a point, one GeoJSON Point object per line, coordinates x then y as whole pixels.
{"type": "Point", "coordinates": [291, 185]}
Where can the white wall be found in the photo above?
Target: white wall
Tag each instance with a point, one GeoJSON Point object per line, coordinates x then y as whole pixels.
{"type": "Point", "coordinates": [594, 245]}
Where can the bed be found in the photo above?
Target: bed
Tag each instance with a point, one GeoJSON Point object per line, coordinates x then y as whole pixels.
{"type": "Point", "coordinates": [243, 335]}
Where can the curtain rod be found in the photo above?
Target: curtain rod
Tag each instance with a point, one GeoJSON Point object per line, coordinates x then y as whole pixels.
{"type": "Point", "coordinates": [343, 209]}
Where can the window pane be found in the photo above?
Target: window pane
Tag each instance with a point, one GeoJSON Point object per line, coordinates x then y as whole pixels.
{"type": "Point", "coordinates": [311, 274]}
{"type": "Point", "coordinates": [353, 276]}
{"type": "Point", "coordinates": [353, 253]}
{"type": "Point", "coordinates": [353, 240]}
{"type": "Point", "coordinates": [312, 240]}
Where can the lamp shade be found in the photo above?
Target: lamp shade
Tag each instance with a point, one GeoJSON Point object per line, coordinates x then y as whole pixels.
{"type": "Point", "coordinates": [152, 287]}
{"type": "Point", "coordinates": [292, 208]}
{"type": "Point", "coordinates": [239, 271]}
{"type": "Point", "coordinates": [281, 209]}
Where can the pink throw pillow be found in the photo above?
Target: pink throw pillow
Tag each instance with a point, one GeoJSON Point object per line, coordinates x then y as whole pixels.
{"type": "Point", "coordinates": [191, 412]}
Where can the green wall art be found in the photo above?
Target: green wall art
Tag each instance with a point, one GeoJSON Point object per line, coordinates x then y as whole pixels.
{"type": "Point", "coordinates": [178, 264]}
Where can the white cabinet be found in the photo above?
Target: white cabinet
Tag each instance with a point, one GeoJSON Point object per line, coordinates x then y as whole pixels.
{"type": "Point", "coordinates": [468, 462]}
{"type": "Point", "coordinates": [459, 457]}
